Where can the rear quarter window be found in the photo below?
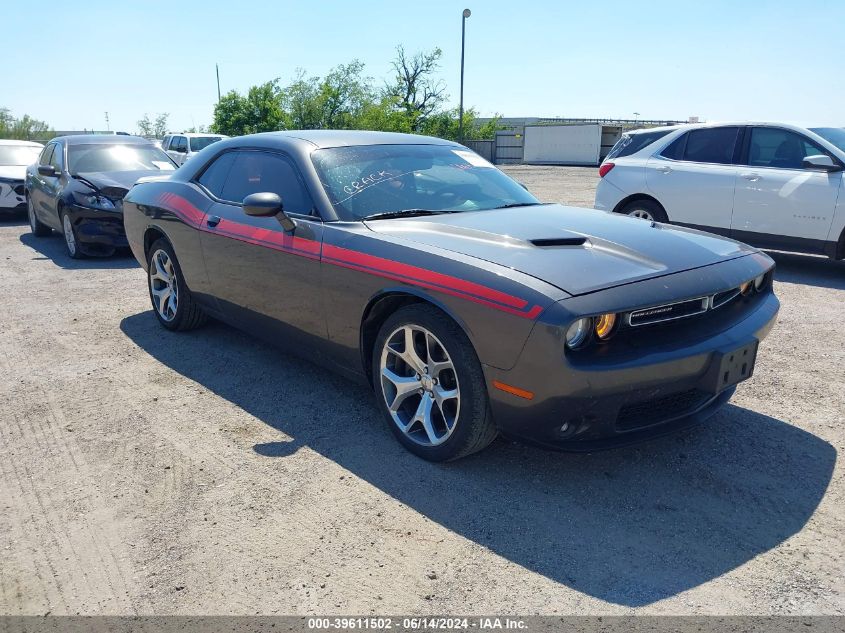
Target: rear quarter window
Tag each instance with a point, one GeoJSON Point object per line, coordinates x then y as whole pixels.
{"type": "Point", "coordinates": [632, 143]}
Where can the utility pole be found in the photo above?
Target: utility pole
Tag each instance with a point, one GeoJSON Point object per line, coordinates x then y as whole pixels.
{"type": "Point", "coordinates": [108, 129]}
{"type": "Point", "coordinates": [217, 68]}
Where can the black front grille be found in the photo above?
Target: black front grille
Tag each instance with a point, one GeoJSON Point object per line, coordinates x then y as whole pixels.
{"type": "Point", "coordinates": [668, 312]}
{"type": "Point", "coordinates": [662, 409]}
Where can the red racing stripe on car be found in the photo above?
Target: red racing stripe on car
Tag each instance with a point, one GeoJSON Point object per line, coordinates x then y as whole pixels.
{"type": "Point", "coordinates": [355, 260]}
{"type": "Point", "coordinates": [276, 240]}
{"type": "Point", "coordinates": [422, 274]}
{"type": "Point", "coordinates": [533, 313]}
{"type": "Point", "coordinates": [181, 207]}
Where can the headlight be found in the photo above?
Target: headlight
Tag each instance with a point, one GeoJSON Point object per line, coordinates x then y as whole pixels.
{"type": "Point", "coordinates": [604, 325]}
{"type": "Point", "coordinates": [578, 333]}
{"type": "Point", "coordinates": [745, 288]}
{"type": "Point", "coordinates": [759, 282]}
{"type": "Point", "coordinates": [93, 201]}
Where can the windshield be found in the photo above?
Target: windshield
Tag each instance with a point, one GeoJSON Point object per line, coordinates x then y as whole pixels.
{"type": "Point", "coordinates": [834, 135]}
{"type": "Point", "coordinates": [365, 180]}
{"type": "Point", "coordinates": [91, 158]}
{"type": "Point", "coordinates": [13, 155]}
{"type": "Point", "coordinates": [201, 142]}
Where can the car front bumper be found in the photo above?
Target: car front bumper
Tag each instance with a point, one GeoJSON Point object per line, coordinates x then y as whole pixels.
{"type": "Point", "coordinates": [12, 197]}
{"type": "Point", "coordinates": [662, 379]}
{"type": "Point", "coordinates": [98, 232]}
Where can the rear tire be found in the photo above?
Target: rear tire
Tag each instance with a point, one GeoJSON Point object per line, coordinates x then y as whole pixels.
{"type": "Point", "coordinates": [645, 210]}
{"type": "Point", "coordinates": [173, 304]}
{"type": "Point", "coordinates": [36, 226]}
{"type": "Point", "coordinates": [433, 394]}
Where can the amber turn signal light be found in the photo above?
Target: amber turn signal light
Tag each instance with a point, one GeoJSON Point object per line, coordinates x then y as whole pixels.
{"type": "Point", "coordinates": [604, 325]}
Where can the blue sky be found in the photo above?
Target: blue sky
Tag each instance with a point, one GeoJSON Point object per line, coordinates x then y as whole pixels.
{"type": "Point", "coordinates": [717, 59]}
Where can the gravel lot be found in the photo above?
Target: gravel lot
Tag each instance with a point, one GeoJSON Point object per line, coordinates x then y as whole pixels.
{"type": "Point", "coordinates": [147, 472]}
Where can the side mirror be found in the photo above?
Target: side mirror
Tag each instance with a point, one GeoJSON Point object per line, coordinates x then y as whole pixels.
{"type": "Point", "coordinates": [265, 205]}
{"type": "Point", "coordinates": [822, 162]}
{"type": "Point", "coordinates": [47, 170]}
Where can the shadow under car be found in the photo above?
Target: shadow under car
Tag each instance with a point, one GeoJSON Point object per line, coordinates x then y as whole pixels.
{"type": "Point", "coordinates": [630, 526]}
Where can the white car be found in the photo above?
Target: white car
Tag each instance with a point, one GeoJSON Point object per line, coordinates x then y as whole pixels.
{"type": "Point", "coordinates": [180, 147]}
{"type": "Point", "coordinates": [770, 185]}
{"type": "Point", "coordinates": [15, 156]}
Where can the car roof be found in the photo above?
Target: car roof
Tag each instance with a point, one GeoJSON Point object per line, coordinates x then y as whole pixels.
{"type": "Point", "coordinates": [111, 139]}
{"type": "Point", "coordinates": [196, 134]}
{"type": "Point", "coordinates": [11, 141]}
{"type": "Point", "coordinates": [345, 138]}
{"type": "Point", "coordinates": [693, 126]}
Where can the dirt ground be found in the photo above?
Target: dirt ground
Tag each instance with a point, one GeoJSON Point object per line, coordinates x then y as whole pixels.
{"type": "Point", "coordinates": [203, 473]}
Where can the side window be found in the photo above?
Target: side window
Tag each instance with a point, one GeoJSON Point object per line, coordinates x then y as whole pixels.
{"type": "Point", "coordinates": [774, 147]}
{"type": "Point", "coordinates": [57, 158]}
{"type": "Point", "coordinates": [182, 144]}
{"type": "Point", "coordinates": [46, 154]}
{"type": "Point", "coordinates": [164, 143]}
{"type": "Point", "coordinates": [256, 171]}
{"type": "Point", "coordinates": [711, 145]}
{"type": "Point", "coordinates": [675, 149]}
{"type": "Point", "coordinates": [214, 176]}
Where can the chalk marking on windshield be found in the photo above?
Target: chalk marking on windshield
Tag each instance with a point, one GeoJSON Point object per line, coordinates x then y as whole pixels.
{"type": "Point", "coordinates": [357, 186]}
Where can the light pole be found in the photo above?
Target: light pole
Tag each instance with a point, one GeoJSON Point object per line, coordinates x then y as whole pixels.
{"type": "Point", "coordinates": [217, 70]}
{"type": "Point", "coordinates": [465, 15]}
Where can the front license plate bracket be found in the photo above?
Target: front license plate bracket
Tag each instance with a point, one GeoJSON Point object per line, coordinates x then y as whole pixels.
{"type": "Point", "coordinates": [735, 366]}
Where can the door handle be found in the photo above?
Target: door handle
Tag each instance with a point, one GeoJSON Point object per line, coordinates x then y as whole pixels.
{"type": "Point", "coordinates": [665, 169]}
{"type": "Point", "coordinates": [750, 176]}
{"type": "Point", "coordinates": [212, 220]}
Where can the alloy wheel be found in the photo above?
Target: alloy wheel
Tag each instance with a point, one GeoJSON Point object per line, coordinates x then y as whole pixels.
{"type": "Point", "coordinates": [420, 385]}
{"type": "Point", "coordinates": [30, 211]}
{"type": "Point", "coordinates": [641, 213]}
{"type": "Point", "coordinates": [70, 238]}
{"type": "Point", "coordinates": [163, 286]}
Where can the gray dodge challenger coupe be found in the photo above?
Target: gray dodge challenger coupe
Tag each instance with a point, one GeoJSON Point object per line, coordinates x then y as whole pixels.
{"type": "Point", "coordinates": [470, 307]}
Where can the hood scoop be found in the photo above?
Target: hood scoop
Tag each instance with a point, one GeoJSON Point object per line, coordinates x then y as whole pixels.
{"type": "Point", "coordinates": [547, 242]}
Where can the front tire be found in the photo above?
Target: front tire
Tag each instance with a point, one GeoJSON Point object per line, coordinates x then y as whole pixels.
{"type": "Point", "coordinates": [36, 226]}
{"type": "Point", "coordinates": [71, 239]}
{"type": "Point", "coordinates": [645, 210]}
{"type": "Point", "coordinates": [173, 304]}
{"type": "Point", "coordinates": [430, 386]}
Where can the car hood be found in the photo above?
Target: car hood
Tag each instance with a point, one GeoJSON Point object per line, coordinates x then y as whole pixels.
{"type": "Point", "coordinates": [576, 250]}
{"type": "Point", "coordinates": [13, 172]}
{"type": "Point", "coordinates": [115, 184]}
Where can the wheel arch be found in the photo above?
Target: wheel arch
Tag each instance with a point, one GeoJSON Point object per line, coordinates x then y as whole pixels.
{"type": "Point", "coordinates": [381, 306]}
{"type": "Point", "coordinates": [151, 235]}
{"type": "Point", "coordinates": [634, 198]}
{"type": "Point", "coordinates": [840, 246]}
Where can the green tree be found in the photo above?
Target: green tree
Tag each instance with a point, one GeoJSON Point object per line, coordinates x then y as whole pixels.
{"type": "Point", "coordinates": [6, 122]}
{"type": "Point", "coordinates": [145, 126]}
{"type": "Point", "coordinates": [445, 125]}
{"type": "Point", "coordinates": [414, 87]}
{"type": "Point", "coordinates": [384, 115]}
{"type": "Point", "coordinates": [259, 111]}
{"type": "Point", "coordinates": [160, 125]}
{"type": "Point", "coordinates": [25, 128]}
{"type": "Point", "coordinates": [344, 95]}
{"type": "Point", "coordinates": [300, 100]}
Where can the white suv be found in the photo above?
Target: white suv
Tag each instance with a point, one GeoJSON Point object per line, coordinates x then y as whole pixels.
{"type": "Point", "coordinates": [180, 147]}
{"type": "Point", "coordinates": [771, 185]}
